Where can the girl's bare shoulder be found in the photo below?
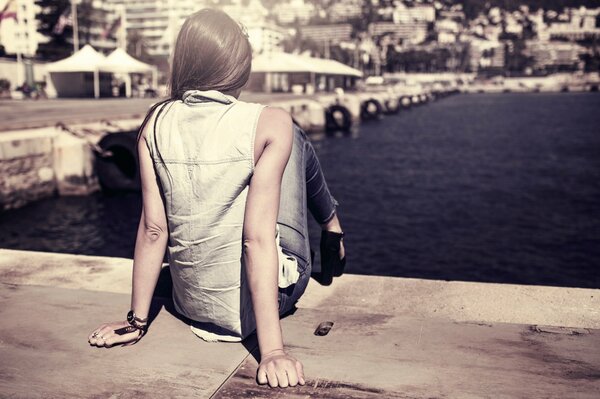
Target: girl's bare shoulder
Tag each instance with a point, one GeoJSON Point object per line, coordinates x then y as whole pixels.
{"type": "Point", "coordinates": [274, 121]}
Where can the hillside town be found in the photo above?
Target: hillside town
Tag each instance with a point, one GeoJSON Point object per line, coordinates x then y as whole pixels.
{"type": "Point", "coordinates": [529, 38]}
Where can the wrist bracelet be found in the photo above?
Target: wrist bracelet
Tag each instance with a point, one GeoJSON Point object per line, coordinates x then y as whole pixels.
{"type": "Point", "coordinates": [135, 321]}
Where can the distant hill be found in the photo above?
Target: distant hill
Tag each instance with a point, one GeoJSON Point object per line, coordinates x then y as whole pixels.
{"type": "Point", "coordinates": [474, 7]}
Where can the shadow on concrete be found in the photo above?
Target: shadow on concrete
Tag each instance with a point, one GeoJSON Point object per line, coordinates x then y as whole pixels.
{"type": "Point", "coordinates": [162, 298]}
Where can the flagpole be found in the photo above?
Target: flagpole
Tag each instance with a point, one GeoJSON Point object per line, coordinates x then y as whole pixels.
{"type": "Point", "coordinates": [20, 65]}
{"type": "Point", "coordinates": [122, 42]}
{"type": "Point", "coordinates": [75, 25]}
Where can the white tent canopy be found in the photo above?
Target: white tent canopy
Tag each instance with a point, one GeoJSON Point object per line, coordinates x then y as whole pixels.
{"type": "Point", "coordinates": [120, 62]}
{"type": "Point", "coordinates": [85, 60]}
{"type": "Point", "coordinates": [89, 60]}
{"type": "Point", "coordinates": [285, 62]}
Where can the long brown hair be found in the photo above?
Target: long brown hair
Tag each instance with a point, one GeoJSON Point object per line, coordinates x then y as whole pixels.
{"type": "Point", "coordinates": [212, 52]}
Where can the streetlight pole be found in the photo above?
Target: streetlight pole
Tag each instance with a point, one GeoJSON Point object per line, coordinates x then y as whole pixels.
{"type": "Point", "coordinates": [74, 4]}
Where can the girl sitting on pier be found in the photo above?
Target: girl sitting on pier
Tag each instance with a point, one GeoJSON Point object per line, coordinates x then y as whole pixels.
{"type": "Point", "coordinates": [226, 185]}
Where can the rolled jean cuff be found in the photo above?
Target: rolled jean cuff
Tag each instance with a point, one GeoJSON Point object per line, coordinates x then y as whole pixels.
{"type": "Point", "coordinates": [334, 205]}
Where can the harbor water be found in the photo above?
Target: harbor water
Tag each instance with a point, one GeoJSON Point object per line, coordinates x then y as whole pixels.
{"type": "Point", "coordinates": [479, 187]}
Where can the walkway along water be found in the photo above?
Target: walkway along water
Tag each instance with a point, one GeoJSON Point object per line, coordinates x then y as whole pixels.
{"type": "Point", "coordinates": [80, 153]}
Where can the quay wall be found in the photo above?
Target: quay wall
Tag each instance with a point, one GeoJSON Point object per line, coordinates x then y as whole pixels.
{"type": "Point", "coordinates": [59, 153]}
{"type": "Point", "coordinates": [26, 167]}
{"type": "Point", "coordinates": [42, 162]}
{"type": "Point", "coordinates": [52, 157]}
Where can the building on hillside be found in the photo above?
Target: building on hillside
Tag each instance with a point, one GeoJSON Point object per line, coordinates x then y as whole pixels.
{"type": "Point", "coordinates": [554, 54]}
{"type": "Point", "coordinates": [513, 26]}
{"type": "Point", "coordinates": [447, 30]}
{"type": "Point", "coordinates": [266, 37]}
{"type": "Point", "coordinates": [492, 32]}
{"type": "Point", "coordinates": [154, 21]}
{"type": "Point", "coordinates": [246, 12]}
{"type": "Point", "coordinates": [486, 54]}
{"type": "Point", "coordinates": [345, 10]}
{"type": "Point", "coordinates": [412, 32]}
{"type": "Point", "coordinates": [455, 15]}
{"type": "Point", "coordinates": [334, 33]}
{"type": "Point", "coordinates": [289, 12]}
{"type": "Point", "coordinates": [581, 24]}
{"type": "Point", "coordinates": [418, 13]}
{"type": "Point", "coordinates": [158, 21]}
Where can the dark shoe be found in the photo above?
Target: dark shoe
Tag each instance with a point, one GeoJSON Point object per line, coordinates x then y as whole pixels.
{"type": "Point", "coordinates": [331, 264]}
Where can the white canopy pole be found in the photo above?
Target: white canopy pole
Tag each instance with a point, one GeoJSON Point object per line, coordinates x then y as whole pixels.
{"type": "Point", "coordinates": [155, 78]}
{"type": "Point", "coordinates": [96, 84]}
{"type": "Point", "coordinates": [128, 85]}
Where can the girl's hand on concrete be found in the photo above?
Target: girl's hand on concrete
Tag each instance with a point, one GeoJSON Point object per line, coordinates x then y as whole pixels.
{"type": "Point", "coordinates": [106, 336]}
{"type": "Point", "coordinates": [277, 368]}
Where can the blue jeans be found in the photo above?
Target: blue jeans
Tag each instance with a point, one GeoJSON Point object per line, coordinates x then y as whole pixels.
{"type": "Point", "coordinates": [303, 188]}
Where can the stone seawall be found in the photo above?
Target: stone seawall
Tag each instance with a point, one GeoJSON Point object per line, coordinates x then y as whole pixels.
{"type": "Point", "coordinates": [26, 167]}
{"type": "Point", "coordinates": [39, 163]}
{"type": "Point", "coordinates": [50, 147]}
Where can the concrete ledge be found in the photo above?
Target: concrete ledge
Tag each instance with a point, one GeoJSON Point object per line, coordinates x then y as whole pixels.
{"type": "Point", "coordinates": [391, 338]}
{"type": "Point", "coordinates": [453, 300]}
{"type": "Point", "coordinates": [66, 271]}
{"type": "Point", "coordinates": [45, 352]}
{"type": "Point", "coordinates": [459, 301]}
{"type": "Point", "coordinates": [34, 142]}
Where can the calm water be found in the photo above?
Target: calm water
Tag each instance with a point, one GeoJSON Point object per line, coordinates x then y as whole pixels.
{"type": "Point", "coordinates": [495, 188]}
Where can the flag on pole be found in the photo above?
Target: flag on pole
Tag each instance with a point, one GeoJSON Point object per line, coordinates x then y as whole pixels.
{"type": "Point", "coordinates": [9, 11]}
{"type": "Point", "coordinates": [65, 19]}
{"type": "Point", "coordinates": [110, 29]}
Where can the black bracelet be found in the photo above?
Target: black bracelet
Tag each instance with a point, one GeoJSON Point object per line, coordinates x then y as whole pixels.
{"type": "Point", "coordinates": [136, 322]}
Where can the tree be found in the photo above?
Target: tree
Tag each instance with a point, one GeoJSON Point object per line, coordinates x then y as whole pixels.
{"type": "Point", "coordinates": [60, 42]}
{"type": "Point", "coordinates": [136, 45]}
{"type": "Point", "coordinates": [516, 59]}
{"type": "Point", "coordinates": [57, 46]}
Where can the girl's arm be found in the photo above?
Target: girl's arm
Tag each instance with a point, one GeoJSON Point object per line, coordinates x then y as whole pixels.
{"type": "Point", "coordinates": [152, 235]}
{"type": "Point", "coordinates": [150, 246]}
{"type": "Point", "coordinates": [273, 145]}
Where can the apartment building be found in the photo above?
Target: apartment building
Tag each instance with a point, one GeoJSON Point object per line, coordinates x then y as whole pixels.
{"type": "Point", "coordinates": [334, 33]}
{"type": "Point", "coordinates": [413, 32]}
{"type": "Point", "coordinates": [554, 53]}
{"type": "Point", "coordinates": [420, 13]}
{"type": "Point", "coordinates": [18, 28]}
{"type": "Point", "coordinates": [158, 21]}
{"type": "Point", "coordinates": [266, 37]}
{"type": "Point", "coordinates": [345, 10]}
{"type": "Point", "coordinates": [485, 54]}
{"type": "Point", "coordinates": [581, 24]}
{"type": "Point", "coordinates": [289, 12]}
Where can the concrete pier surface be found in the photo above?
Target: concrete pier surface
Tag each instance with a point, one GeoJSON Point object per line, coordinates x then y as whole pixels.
{"type": "Point", "coordinates": [391, 338]}
{"type": "Point", "coordinates": [19, 115]}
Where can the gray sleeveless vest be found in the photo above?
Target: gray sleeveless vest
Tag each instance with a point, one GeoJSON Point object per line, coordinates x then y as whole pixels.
{"type": "Point", "coordinates": [203, 154]}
